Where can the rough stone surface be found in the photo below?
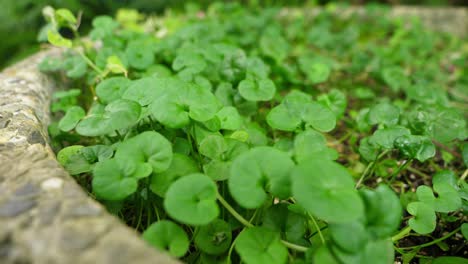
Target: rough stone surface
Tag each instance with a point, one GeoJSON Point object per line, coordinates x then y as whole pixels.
{"type": "Point", "coordinates": [45, 217]}
{"type": "Point", "coordinates": [453, 20]}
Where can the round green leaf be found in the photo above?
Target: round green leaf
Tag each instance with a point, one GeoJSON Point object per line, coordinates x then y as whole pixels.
{"type": "Point", "coordinates": [214, 238]}
{"type": "Point", "coordinates": [148, 147]}
{"type": "Point", "coordinates": [418, 147]}
{"type": "Point", "coordinates": [73, 115]}
{"type": "Point", "coordinates": [339, 234]}
{"type": "Point", "coordinates": [64, 155]}
{"type": "Point", "coordinates": [166, 235]}
{"type": "Point", "coordinates": [230, 118]}
{"type": "Point", "coordinates": [384, 113]}
{"type": "Point", "coordinates": [139, 54]}
{"type": "Point", "coordinates": [258, 171]}
{"type": "Point", "coordinates": [291, 225]}
{"type": "Point", "coordinates": [319, 117]}
{"type": "Point", "coordinates": [122, 113]}
{"type": "Point", "coordinates": [464, 230]}
{"type": "Point", "coordinates": [257, 89]}
{"type": "Point", "coordinates": [315, 70]}
{"type": "Point", "coordinates": [335, 100]}
{"type": "Point", "coordinates": [94, 125]}
{"type": "Point", "coordinates": [261, 245]}
{"type": "Point", "coordinates": [192, 200]}
{"type": "Point", "coordinates": [181, 165]}
{"type": "Point", "coordinates": [386, 137]}
{"type": "Point", "coordinates": [213, 147]}
{"type": "Point", "coordinates": [112, 89]}
{"type": "Point", "coordinates": [424, 220]}
{"type": "Point", "coordinates": [281, 118]}
{"type": "Point", "coordinates": [383, 211]}
{"type": "Point", "coordinates": [144, 90]}
{"type": "Point", "coordinates": [110, 182]}
{"type": "Point", "coordinates": [326, 189]}
{"type": "Point", "coordinates": [310, 144]}
{"type": "Point", "coordinates": [450, 260]}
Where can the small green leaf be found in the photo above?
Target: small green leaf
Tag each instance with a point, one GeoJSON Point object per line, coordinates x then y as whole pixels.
{"type": "Point", "coordinates": [326, 189]}
{"type": "Point", "coordinates": [335, 100]}
{"type": "Point", "coordinates": [64, 155]}
{"type": "Point", "coordinates": [115, 65]}
{"type": "Point", "coordinates": [65, 15]}
{"type": "Point", "coordinates": [71, 118]}
{"type": "Point", "coordinates": [213, 147]}
{"type": "Point", "coordinates": [140, 55]}
{"type": "Point", "coordinates": [424, 220]}
{"type": "Point", "coordinates": [310, 145]}
{"type": "Point", "coordinates": [181, 165]}
{"type": "Point", "coordinates": [319, 117]}
{"type": "Point", "coordinates": [257, 89]}
{"type": "Point", "coordinates": [383, 211]}
{"type": "Point", "coordinates": [112, 89]}
{"type": "Point", "coordinates": [450, 260]}
{"type": "Point", "coordinates": [261, 245]}
{"type": "Point", "coordinates": [281, 118]}
{"type": "Point", "coordinates": [395, 78]}
{"type": "Point", "coordinates": [386, 137]}
{"type": "Point", "coordinates": [339, 234]}
{"type": "Point", "coordinates": [56, 39]}
{"type": "Point", "coordinates": [418, 147]}
{"type": "Point", "coordinates": [316, 70]}
{"type": "Point", "coordinates": [384, 113]}
{"type": "Point", "coordinates": [110, 181]}
{"type": "Point", "coordinates": [291, 225]}
{"type": "Point", "coordinates": [258, 171]}
{"type": "Point", "coordinates": [214, 238]}
{"type": "Point", "coordinates": [166, 235]}
{"type": "Point", "coordinates": [464, 230]}
{"type": "Point", "coordinates": [148, 147]}
{"type": "Point", "coordinates": [192, 200]}
{"type": "Point", "coordinates": [103, 26]}
{"type": "Point", "coordinates": [230, 118]}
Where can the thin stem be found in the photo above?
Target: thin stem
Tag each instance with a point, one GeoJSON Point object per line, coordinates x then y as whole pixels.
{"type": "Point", "coordinates": [319, 231]}
{"type": "Point", "coordinates": [434, 241]}
{"type": "Point", "coordinates": [369, 167]}
{"type": "Point", "coordinates": [90, 63]}
{"type": "Point", "coordinates": [233, 212]}
{"type": "Point", "coordinates": [418, 172]}
{"type": "Point", "coordinates": [403, 233]}
{"type": "Point", "coordinates": [294, 246]}
{"type": "Point", "coordinates": [463, 177]}
{"type": "Point", "coordinates": [246, 223]}
{"type": "Point", "coordinates": [401, 168]}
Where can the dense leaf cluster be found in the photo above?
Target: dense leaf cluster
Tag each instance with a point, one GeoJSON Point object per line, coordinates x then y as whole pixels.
{"type": "Point", "coordinates": [239, 135]}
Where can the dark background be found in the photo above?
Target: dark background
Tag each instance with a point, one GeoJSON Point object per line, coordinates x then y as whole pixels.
{"type": "Point", "coordinates": [20, 20]}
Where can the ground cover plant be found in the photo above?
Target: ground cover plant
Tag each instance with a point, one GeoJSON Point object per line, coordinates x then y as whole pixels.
{"type": "Point", "coordinates": [232, 135]}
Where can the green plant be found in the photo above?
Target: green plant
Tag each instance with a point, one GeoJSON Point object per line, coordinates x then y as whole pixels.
{"type": "Point", "coordinates": [238, 135]}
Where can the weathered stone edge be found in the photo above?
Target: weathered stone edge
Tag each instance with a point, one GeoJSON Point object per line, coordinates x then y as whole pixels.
{"type": "Point", "coordinates": [45, 217]}
{"type": "Point", "coordinates": [453, 20]}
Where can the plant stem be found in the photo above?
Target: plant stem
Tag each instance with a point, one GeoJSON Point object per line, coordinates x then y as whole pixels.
{"type": "Point", "coordinates": [418, 172]}
{"type": "Point", "coordinates": [294, 246]}
{"type": "Point", "coordinates": [246, 223]}
{"type": "Point", "coordinates": [434, 241]}
{"type": "Point", "coordinates": [369, 167]}
{"type": "Point", "coordinates": [90, 63]}
{"type": "Point", "coordinates": [463, 177]}
{"type": "Point", "coordinates": [402, 167]}
{"type": "Point", "coordinates": [319, 231]}
{"type": "Point", "coordinates": [403, 233]}
{"type": "Point", "coordinates": [233, 212]}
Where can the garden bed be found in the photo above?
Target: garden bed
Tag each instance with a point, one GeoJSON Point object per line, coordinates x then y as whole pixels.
{"type": "Point", "coordinates": [45, 217]}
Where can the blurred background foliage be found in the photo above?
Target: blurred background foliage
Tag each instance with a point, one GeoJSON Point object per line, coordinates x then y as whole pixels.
{"type": "Point", "coordinates": [21, 20]}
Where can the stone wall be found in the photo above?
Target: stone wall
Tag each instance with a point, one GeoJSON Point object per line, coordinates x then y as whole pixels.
{"type": "Point", "coordinates": [45, 217]}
